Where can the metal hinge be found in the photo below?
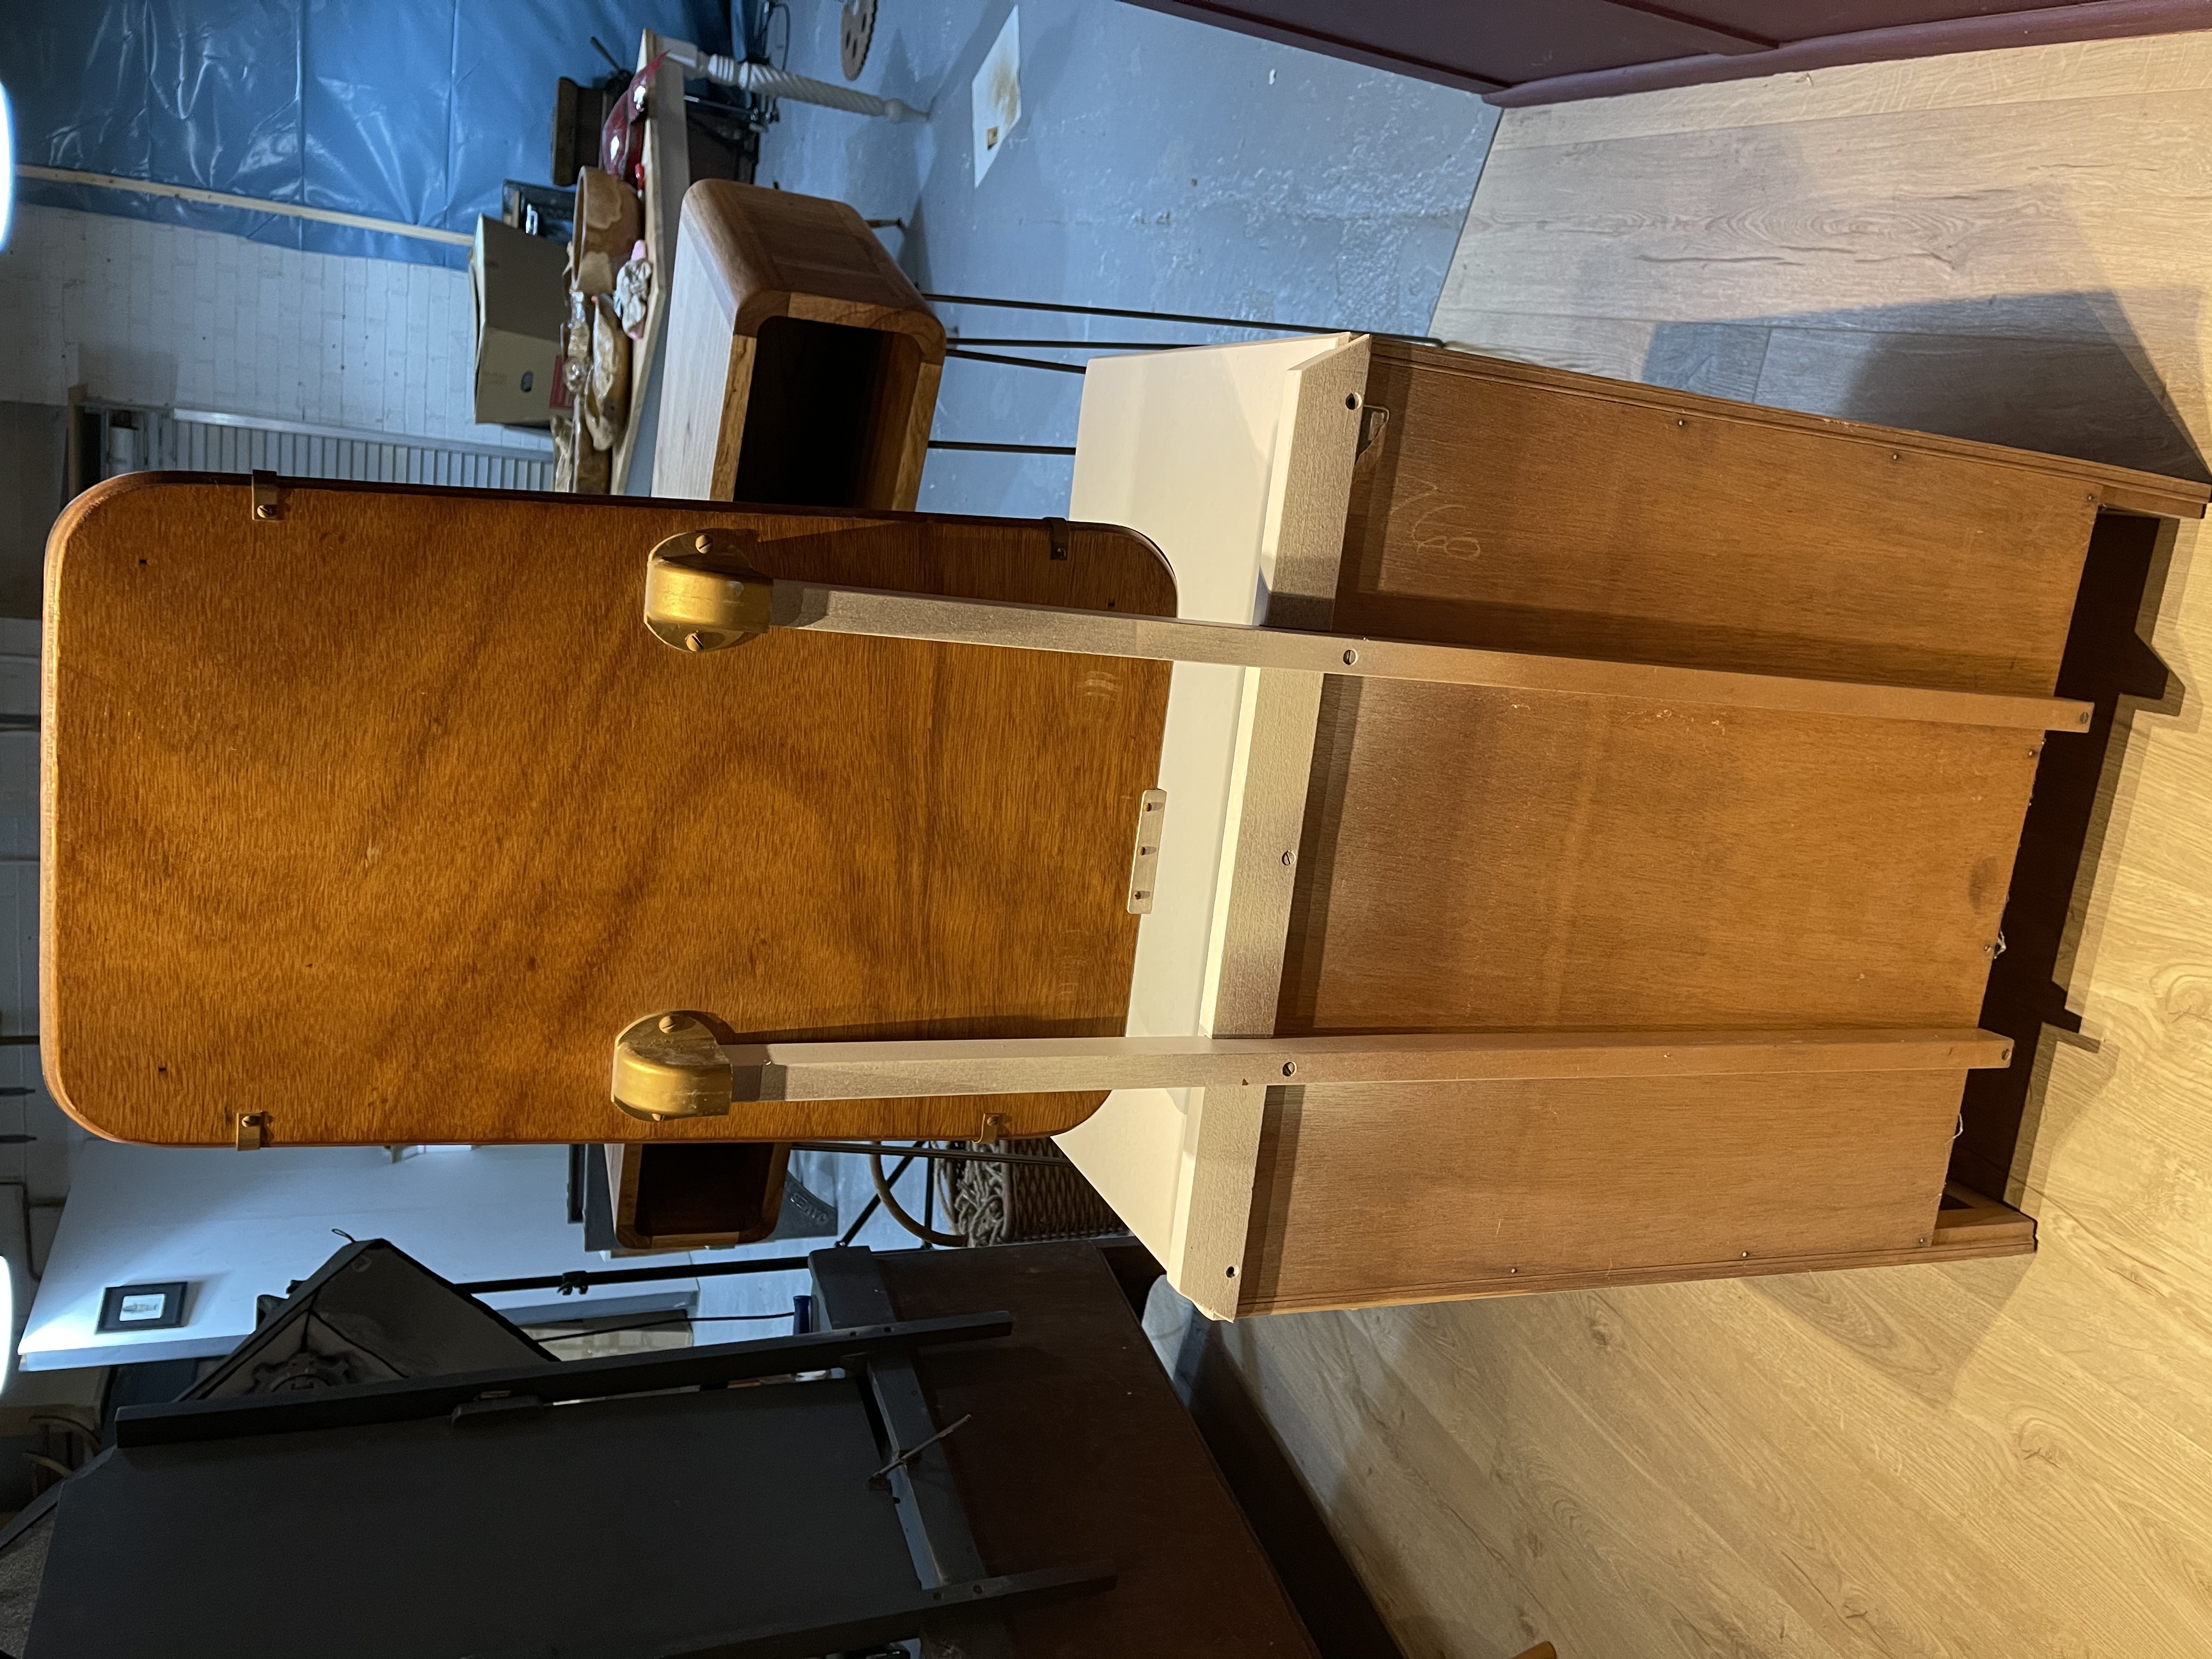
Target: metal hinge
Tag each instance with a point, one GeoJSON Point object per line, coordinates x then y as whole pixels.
{"type": "Point", "coordinates": [1144, 862]}
{"type": "Point", "coordinates": [252, 1131]}
{"type": "Point", "coordinates": [267, 502]}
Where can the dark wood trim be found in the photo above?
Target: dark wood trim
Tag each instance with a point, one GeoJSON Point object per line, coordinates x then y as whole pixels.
{"type": "Point", "coordinates": [2092, 20]}
{"type": "Point", "coordinates": [1726, 40]}
{"type": "Point", "coordinates": [1331, 45]}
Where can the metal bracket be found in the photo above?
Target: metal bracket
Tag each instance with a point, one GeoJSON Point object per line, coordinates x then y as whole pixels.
{"type": "Point", "coordinates": [1144, 862]}
{"type": "Point", "coordinates": [701, 595]}
{"type": "Point", "coordinates": [268, 503]}
{"type": "Point", "coordinates": [701, 592]}
{"type": "Point", "coordinates": [672, 1065]}
{"type": "Point", "coordinates": [252, 1131]}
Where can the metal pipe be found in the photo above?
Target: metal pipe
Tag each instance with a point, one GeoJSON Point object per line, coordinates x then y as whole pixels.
{"type": "Point", "coordinates": [1017, 362]}
{"type": "Point", "coordinates": [1172, 317]}
{"type": "Point", "coordinates": [1006, 449]}
{"type": "Point", "coordinates": [823, 608]}
{"type": "Point", "coordinates": [946, 1154]}
{"type": "Point", "coordinates": [766, 80]}
{"type": "Point", "coordinates": [578, 1284]}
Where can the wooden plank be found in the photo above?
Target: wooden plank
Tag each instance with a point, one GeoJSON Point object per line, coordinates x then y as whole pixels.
{"type": "Point", "coordinates": [1980, 1220]}
{"type": "Point", "coordinates": [1384, 1192]}
{"type": "Point", "coordinates": [1184, 444]}
{"type": "Point", "coordinates": [872, 1070]}
{"type": "Point", "coordinates": [1224, 1127]}
{"type": "Point", "coordinates": [698, 1198]}
{"type": "Point", "coordinates": [1308, 487]}
{"type": "Point", "coordinates": [1711, 535]}
{"type": "Point", "coordinates": [1281, 737]}
{"type": "Point", "coordinates": [469, 814]}
{"type": "Point", "coordinates": [704, 387]}
{"type": "Point", "coordinates": [1617, 865]}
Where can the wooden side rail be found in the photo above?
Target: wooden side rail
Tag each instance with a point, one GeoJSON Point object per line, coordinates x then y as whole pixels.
{"type": "Point", "coordinates": [675, 1066]}
{"type": "Point", "coordinates": [701, 596]}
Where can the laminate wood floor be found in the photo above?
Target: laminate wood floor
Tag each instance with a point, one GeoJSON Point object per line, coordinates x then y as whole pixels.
{"type": "Point", "coordinates": [1999, 1459]}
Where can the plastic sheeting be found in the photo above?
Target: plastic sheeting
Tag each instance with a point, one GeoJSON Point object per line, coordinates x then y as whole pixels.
{"type": "Point", "coordinates": [408, 110]}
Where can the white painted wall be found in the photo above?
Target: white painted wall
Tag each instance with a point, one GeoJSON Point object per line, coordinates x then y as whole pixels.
{"type": "Point", "coordinates": [160, 317]}
{"type": "Point", "coordinates": [237, 1225]}
{"type": "Point", "coordinates": [241, 1224]}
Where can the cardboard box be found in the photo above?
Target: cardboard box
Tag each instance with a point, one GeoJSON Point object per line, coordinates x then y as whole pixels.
{"type": "Point", "coordinates": [521, 284]}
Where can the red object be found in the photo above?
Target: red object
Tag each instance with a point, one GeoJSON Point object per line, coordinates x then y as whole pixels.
{"type": "Point", "coordinates": [621, 140]}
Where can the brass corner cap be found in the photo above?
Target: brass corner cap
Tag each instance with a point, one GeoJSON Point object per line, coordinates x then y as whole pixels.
{"type": "Point", "coordinates": [670, 1066]}
{"type": "Point", "coordinates": [702, 595]}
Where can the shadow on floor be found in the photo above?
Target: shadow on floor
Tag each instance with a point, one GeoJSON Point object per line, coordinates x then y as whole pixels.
{"type": "Point", "coordinates": [2107, 663]}
{"type": "Point", "coordinates": [2059, 372]}
{"type": "Point", "coordinates": [2075, 383]}
{"type": "Point", "coordinates": [1334, 1605]}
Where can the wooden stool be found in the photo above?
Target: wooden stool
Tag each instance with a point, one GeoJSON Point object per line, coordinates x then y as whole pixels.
{"type": "Point", "coordinates": [802, 364]}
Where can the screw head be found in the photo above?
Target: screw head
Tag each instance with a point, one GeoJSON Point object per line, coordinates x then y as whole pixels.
{"type": "Point", "coordinates": [1290, 858]}
{"type": "Point", "coordinates": [694, 642]}
{"type": "Point", "coordinates": [264, 511]}
{"type": "Point", "coordinates": [1921, 1241]}
{"type": "Point", "coordinates": [671, 1022]}
{"type": "Point", "coordinates": [703, 542]}
{"type": "Point", "coordinates": [1351, 400]}
{"type": "Point", "coordinates": [1290, 1068]}
{"type": "Point", "coordinates": [1350, 658]}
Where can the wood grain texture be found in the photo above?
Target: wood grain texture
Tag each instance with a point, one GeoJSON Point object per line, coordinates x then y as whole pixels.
{"type": "Point", "coordinates": [703, 400]}
{"type": "Point", "coordinates": [747, 256]}
{"type": "Point", "coordinates": [1163, 639]}
{"type": "Point", "coordinates": [705, 1196]}
{"type": "Point", "coordinates": [1984, 1460]}
{"type": "Point", "coordinates": [1711, 535]}
{"type": "Point", "coordinates": [1309, 490]}
{"type": "Point", "coordinates": [1609, 865]}
{"type": "Point", "coordinates": [386, 816]}
{"type": "Point", "coordinates": [862, 1071]}
{"type": "Point", "coordinates": [1420, 1192]}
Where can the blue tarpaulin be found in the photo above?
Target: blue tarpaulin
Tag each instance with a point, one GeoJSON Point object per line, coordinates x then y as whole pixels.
{"type": "Point", "coordinates": [408, 110]}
